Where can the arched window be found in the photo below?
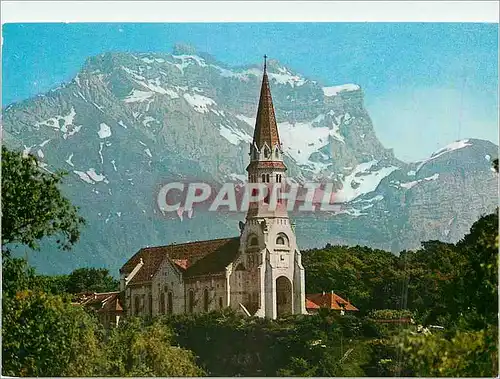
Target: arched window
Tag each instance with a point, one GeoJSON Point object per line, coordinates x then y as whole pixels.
{"type": "Point", "coordinates": [282, 239]}
{"type": "Point", "coordinates": [205, 299]}
{"type": "Point", "coordinates": [253, 241]}
{"type": "Point", "coordinates": [276, 153]}
{"type": "Point", "coordinates": [277, 178]}
{"type": "Point", "coordinates": [267, 178]}
{"type": "Point", "coordinates": [263, 178]}
{"type": "Point", "coordinates": [170, 303]}
{"type": "Point", "coordinates": [162, 304]}
{"type": "Point", "coordinates": [190, 301]}
{"type": "Point", "coordinates": [240, 267]}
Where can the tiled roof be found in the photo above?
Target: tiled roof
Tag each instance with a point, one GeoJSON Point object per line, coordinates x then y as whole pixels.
{"type": "Point", "coordinates": [105, 301]}
{"type": "Point", "coordinates": [213, 256]}
{"type": "Point", "coordinates": [329, 300]}
{"type": "Point", "coordinates": [266, 129]}
{"type": "Point", "coordinates": [182, 263]}
{"type": "Point", "coordinates": [216, 261]}
{"type": "Point", "coordinates": [311, 305]}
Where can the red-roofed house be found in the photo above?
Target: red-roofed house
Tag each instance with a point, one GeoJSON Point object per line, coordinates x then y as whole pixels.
{"type": "Point", "coordinates": [328, 300]}
{"type": "Point", "coordinates": [107, 305]}
{"type": "Point", "coordinates": [259, 272]}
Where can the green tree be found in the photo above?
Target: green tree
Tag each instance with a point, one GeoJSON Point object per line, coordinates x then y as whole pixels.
{"type": "Point", "coordinates": [52, 284]}
{"type": "Point", "coordinates": [91, 280]}
{"type": "Point", "coordinates": [43, 335]}
{"type": "Point", "coordinates": [369, 278]}
{"type": "Point", "coordinates": [136, 349]}
{"type": "Point", "coordinates": [429, 274]}
{"type": "Point", "coordinates": [469, 345]}
{"type": "Point", "coordinates": [466, 353]}
{"type": "Point", "coordinates": [478, 284]}
{"type": "Point", "coordinates": [32, 204]}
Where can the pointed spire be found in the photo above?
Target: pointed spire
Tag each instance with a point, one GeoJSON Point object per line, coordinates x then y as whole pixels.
{"type": "Point", "coordinates": [266, 129]}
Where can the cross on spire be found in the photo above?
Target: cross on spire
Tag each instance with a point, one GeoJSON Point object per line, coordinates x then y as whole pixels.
{"type": "Point", "coordinates": [265, 61]}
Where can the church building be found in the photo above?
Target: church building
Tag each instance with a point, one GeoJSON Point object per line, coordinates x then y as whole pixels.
{"type": "Point", "coordinates": [258, 272]}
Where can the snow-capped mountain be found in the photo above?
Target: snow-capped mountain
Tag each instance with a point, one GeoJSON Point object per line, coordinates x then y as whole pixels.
{"type": "Point", "coordinates": [128, 123]}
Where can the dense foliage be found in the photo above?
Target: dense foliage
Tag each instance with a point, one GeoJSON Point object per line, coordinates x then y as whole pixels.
{"type": "Point", "coordinates": [139, 349]}
{"type": "Point", "coordinates": [43, 333]}
{"type": "Point", "coordinates": [32, 205]}
{"type": "Point", "coordinates": [430, 312]}
{"type": "Point", "coordinates": [228, 344]}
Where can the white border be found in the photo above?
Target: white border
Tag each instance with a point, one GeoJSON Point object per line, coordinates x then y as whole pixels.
{"type": "Point", "coordinates": [249, 11]}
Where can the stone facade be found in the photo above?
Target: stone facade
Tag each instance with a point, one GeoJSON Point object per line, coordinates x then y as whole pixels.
{"type": "Point", "coordinates": [258, 273]}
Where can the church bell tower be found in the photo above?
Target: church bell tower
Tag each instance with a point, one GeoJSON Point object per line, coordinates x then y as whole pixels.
{"type": "Point", "coordinates": [269, 270]}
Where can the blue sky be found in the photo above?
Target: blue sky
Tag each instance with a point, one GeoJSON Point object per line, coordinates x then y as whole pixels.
{"type": "Point", "coordinates": [425, 84]}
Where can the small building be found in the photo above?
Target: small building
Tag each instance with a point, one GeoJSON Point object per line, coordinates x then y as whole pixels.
{"type": "Point", "coordinates": [329, 300]}
{"type": "Point", "coordinates": [107, 305]}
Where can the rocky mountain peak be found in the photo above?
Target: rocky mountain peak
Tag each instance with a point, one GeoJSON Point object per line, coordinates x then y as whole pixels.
{"type": "Point", "coordinates": [130, 122]}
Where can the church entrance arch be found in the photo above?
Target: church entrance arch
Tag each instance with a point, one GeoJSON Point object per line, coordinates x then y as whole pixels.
{"type": "Point", "coordinates": [283, 296]}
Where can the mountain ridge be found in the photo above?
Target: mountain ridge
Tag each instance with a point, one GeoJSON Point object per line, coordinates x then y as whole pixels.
{"type": "Point", "coordinates": [128, 122]}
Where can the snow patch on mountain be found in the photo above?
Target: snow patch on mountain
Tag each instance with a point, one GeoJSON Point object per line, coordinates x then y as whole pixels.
{"type": "Point", "coordinates": [364, 181]}
{"type": "Point", "coordinates": [335, 133]}
{"type": "Point", "coordinates": [171, 93]}
{"type": "Point", "coordinates": [92, 174]}
{"type": "Point", "coordinates": [147, 120]}
{"type": "Point", "coordinates": [335, 90]}
{"type": "Point", "coordinates": [285, 77]}
{"type": "Point", "coordinates": [233, 135]}
{"type": "Point", "coordinates": [302, 139]}
{"type": "Point", "coordinates": [238, 177]}
{"type": "Point", "coordinates": [187, 60]}
{"type": "Point", "coordinates": [198, 102]}
{"type": "Point", "coordinates": [71, 132]}
{"type": "Point", "coordinates": [448, 148]}
{"type": "Point", "coordinates": [104, 131]}
{"type": "Point", "coordinates": [249, 120]}
{"type": "Point", "coordinates": [154, 85]}
{"type": "Point", "coordinates": [230, 74]}
{"type": "Point", "coordinates": [409, 185]}
{"type": "Point", "coordinates": [452, 146]}
{"type": "Point", "coordinates": [84, 177]}
{"type": "Point", "coordinates": [68, 161]}
{"type": "Point", "coordinates": [137, 96]}
{"type": "Point", "coordinates": [98, 107]}
{"type": "Point", "coordinates": [101, 145]}
{"type": "Point", "coordinates": [44, 142]}
{"type": "Point", "coordinates": [55, 122]}
{"type": "Point", "coordinates": [133, 73]}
